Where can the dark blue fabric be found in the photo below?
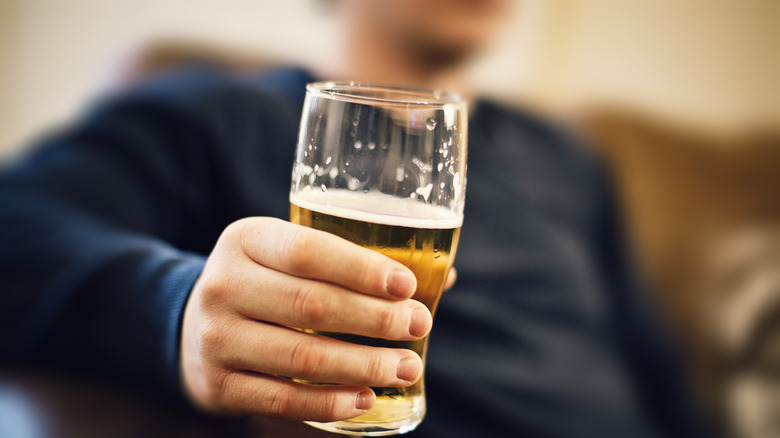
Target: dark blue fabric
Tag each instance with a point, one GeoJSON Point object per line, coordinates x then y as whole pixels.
{"type": "Point", "coordinates": [104, 228]}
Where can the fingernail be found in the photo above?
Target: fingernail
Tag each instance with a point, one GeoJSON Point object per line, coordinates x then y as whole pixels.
{"type": "Point", "coordinates": [407, 369]}
{"type": "Point", "coordinates": [418, 323]}
{"type": "Point", "coordinates": [364, 400]}
{"type": "Point", "coordinates": [401, 284]}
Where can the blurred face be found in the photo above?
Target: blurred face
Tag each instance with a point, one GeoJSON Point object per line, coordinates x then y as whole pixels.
{"type": "Point", "coordinates": [441, 31]}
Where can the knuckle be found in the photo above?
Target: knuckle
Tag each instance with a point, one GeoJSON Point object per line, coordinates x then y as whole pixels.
{"type": "Point", "coordinates": [236, 230]}
{"type": "Point", "coordinates": [214, 336]}
{"type": "Point", "coordinates": [301, 251]}
{"type": "Point", "coordinates": [215, 389]}
{"type": "Point", "coordinates": [212, 293]}
{"type": "Point", "coordinates": [216, 282]}
{"type": "Point", "coordinates": [387, 322]}
{"type": "Point", "coordinates": [333, 409]}
{"type": "Point", "coordinates": [240, 234]}
{"type": "Point", "coordinates": [305, 360]}
{"type": "Point", "coordinates": [211, 338]}
{"type": "Point", "coordinates": [375, 368]}
{"type": "Point", "coordinates": [280, 402]}
{"type": "Point", "coordinates": [219, 388]}
{"type": "Point", "coordinates": [309, 307]}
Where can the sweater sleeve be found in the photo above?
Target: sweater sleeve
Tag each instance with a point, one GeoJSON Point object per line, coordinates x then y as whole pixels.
{"type": "Point", "coordinates": [99, 243]}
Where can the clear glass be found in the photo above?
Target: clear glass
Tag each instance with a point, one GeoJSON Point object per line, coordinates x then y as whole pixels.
{"type": "Point", "coordinates": [385, 168]}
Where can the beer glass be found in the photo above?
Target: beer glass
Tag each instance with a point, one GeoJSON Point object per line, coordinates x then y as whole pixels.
{"type": "Point", "coordinates": [385, 168]}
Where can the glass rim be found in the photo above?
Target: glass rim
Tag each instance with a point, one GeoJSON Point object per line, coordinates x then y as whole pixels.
{"type": "Point", "coordinates": [371, 94]}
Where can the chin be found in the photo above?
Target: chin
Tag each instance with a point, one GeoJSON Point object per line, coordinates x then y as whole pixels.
{"type": "Point", "coordinates": [461, 39]}
{"type": "Point", "coordinates": [447, 55]}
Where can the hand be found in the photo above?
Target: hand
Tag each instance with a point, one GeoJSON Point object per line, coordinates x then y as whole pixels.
{"type": "Point", "coordinates": [266, 276]}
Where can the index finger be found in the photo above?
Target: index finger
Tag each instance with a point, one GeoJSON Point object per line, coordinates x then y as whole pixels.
{"type": "Point", "coordinates": [314, 254]}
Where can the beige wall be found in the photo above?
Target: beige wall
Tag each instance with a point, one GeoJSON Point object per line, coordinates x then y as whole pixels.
{"type": "Point", "coordinates": [706, 61]}
{"type": "Point", "coordinates": [8, 120]}
{"type": "Point", "coordinates": [66, 50]}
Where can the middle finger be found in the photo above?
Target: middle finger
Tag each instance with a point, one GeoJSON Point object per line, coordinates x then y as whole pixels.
{"type": "Point", "coordinates": [269, 295]}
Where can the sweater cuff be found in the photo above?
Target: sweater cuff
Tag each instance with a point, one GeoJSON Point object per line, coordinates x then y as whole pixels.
{"type": "Point", "coordinates": [176, 286]}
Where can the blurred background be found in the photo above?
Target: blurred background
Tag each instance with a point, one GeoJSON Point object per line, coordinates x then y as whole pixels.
{"type": "Point", "coordinates": [681, 98]}
{"type": "Point", "coordinates": [698, 61]}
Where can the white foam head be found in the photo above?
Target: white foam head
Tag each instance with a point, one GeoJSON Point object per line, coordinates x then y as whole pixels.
{"type": "Point", "coordinates": [378, 208]}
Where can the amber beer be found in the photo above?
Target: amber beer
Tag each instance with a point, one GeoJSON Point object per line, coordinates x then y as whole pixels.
{"type": "Point", "coordinates": [424, 239]}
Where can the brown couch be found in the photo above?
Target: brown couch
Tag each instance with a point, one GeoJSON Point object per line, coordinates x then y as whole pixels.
{"type": "Point", "coordinates": [703, 213]}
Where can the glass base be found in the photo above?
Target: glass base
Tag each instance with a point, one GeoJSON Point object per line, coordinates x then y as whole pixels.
{"type": "Point", "coordinates": [388, 417]}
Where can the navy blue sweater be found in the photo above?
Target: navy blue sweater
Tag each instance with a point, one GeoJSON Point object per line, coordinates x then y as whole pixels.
{"type": "Point", "coordinates": [105, 226]}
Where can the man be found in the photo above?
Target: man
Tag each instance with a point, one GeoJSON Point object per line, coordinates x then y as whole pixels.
{"type": "Point", "coordinates": [106, 228]}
